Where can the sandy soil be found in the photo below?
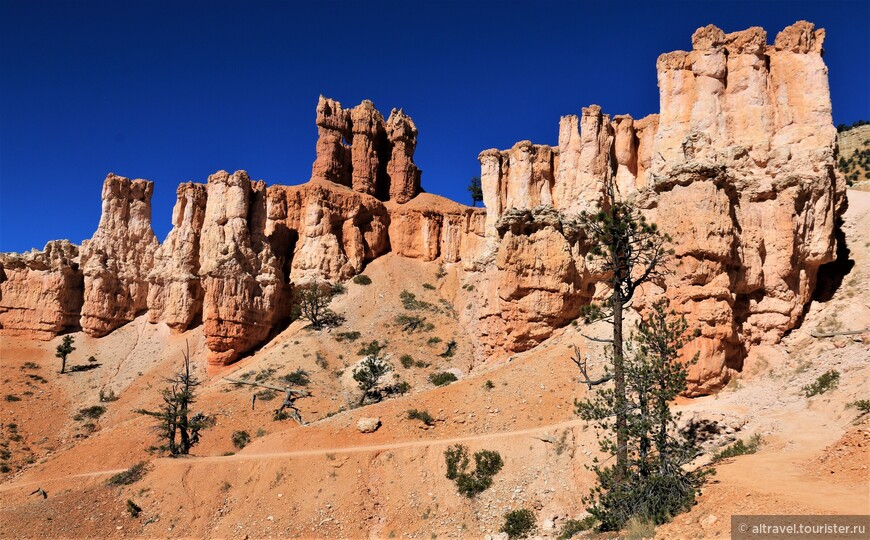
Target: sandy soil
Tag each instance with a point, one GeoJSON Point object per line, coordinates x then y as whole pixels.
{"type": "Point", "coordinates": [327, 480]}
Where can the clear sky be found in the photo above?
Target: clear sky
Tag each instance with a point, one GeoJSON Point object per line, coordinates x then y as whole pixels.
{"type": "Point", "coordinates": [173, 91]}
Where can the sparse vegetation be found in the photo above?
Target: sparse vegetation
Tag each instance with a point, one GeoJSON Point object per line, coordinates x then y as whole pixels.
{"type": "Point", "coordinates": [406, 360]}
{"type": "Point", "coordinates": [442, 378]}
{"type": "Point", "coordinates": [312, 301]}
{"type": "Point", "coordinates": [176, 428]}
{"type": "Point", "coordinates": [368, 376]}
{"type": "Point", "coordinates": [130, 476]}
{"type": "Point", "coordinates": [347, 336]}
{"type": "Point", "coordinates": [92, 412]}
{"type": "Point", "coordinates": [739, 448]}
{"type": "Point", "coordinates": [64, 350]}
{"type": "Point", "coordinates": [107, 397]}
{"type": "Point", "coordinates": [297, 378]}
{"type": "Point", "coordinates": [470, 483]}
{"type": "Point", "coordinates": [450, 350]}
{"type": "Point", "coordinates": [241, 439]}
{"type": "Point", "coordinates": [362, 279]}
{"type": "Point", "coordinates": [338, 288]}
{"type": "Point", "coordinates": [488, 385]}
{"type": "Point", "coordinates": [373, 348]}
{"type": "Point", "coordinates": [518, 523]}
{"type": "Point", "coordinates": [412, 323]}
{"type": "Point", "coordinates": [434, 340]}
{"type": "Point", "coordinates": [863, 406]}
{"type": "Point", "coordinates": [639, 528]}
{"type": "Point", "coordinates": [576, 526]}
{"type": "Point", "coordinates": [826, 381]}
{"type": "Point", "coordinates": [410, 302]}
{"type": "Point", "coordinates": [429, 286]}
{"type": "Point", "coordinates": [423, 416]}
{"type": "Point", "coordinates": [440, 272]}
{"type": "Point", "coordinates": [133, 508]}
{"type": "Point", "coordinates": [12, 397]}
{"type": "Point", "coordinates": [320, 360]}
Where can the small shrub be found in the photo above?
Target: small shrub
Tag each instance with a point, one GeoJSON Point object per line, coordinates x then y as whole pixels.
{"type": "Point", "coordinates": [11, 397]}
{"type": "Point", "coordinates": [423, 416]}
{"type": "Point", "coordinates": [518, 523]}
{"type": "Point", "coordinates": [92, 359]}
{"type": "Point", "coordinates": [410, 302]}
{"type": "Point", "coordinates": [347, 336]}
{"type": "Point", "coordinates": [106, 397]}
{"type": "Point", "coordinates": [574, 526]}
{"type": "Point", "coordinates": [442, 378]}
{"type": "Point", "coordinates": [4, 468]}
{"type": "Point", "coordinates": [441, 272]}
{"type": "Point", "coordinates": [30, 365]}
{"type": "Point", "coordinates": [863, 406]}
{"type": "Point", "coordinates": [412, 323]}
{"type": "Point", "coordinates": [241, 439]}
{"type": "Point", "coordinates": [407, 361]}
{"type": "Point", "coordinates": [488, 385]}
{"type": "Point", "coordinates": [429, 286]}
{"type": "Point", "coordinates": [421, 364]}
{"type": "Point", "coordinates": [226, 486]}
{"type": "Point", "coordinates": [401, 387]}
{"type": "Point", "coordinates": [433, 341]}
{"type": "Point", "coordinates": [338, 288]}
{"type": "Point", "coordinates": [265, 395]}
{"type": "Point", "coordinates": [92, 412]}
{"type": "Point", "coordinates": [487, 464]}
{"type": "Point", "coordinates": [739, 448]}
{"type": "Point", "coordinates": [639, 527]}
{"type": "Point", "coordinates": [320, 360]}
{"type": "Point", "coordinates": [297, 378]}
{"type": "Point", "coordinates": [362, 279]}
{"type": "Point", "coordinates": [264, 374]}
{"type": "Point", "coordinates": [826, 381]}
{"type": "Point", "coordinates": [260, 432]}
{"type": "Point", "coordinates": [130, 476]}
{"type": "Point", "coordinates": [373, 348]}
{"type": "Point", "coordinates": [451, 349]}
{"type": "Point", "coordinates": [133, 508]}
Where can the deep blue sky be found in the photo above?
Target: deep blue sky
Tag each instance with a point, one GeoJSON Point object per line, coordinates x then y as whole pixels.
{"type": "Point", "coordinates": [173, 91]}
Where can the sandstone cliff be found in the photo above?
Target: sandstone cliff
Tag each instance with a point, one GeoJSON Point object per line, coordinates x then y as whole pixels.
{"type": "Point", "coordinates": [738, 166]}
{"type": "Point", "coordinates": [41, 292]}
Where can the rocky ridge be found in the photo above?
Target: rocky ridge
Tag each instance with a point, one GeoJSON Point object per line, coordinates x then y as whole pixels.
{"type": "Point", "coordinates": [738, 166]}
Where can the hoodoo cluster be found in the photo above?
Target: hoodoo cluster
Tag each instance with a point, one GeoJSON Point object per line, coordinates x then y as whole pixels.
{"type": "Point", "coordinates": [738, 167]}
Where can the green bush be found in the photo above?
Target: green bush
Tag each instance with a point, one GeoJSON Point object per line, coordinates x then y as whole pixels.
{"type": "Point", "coordinates": [10, 397]}
{"type": "Point", "coordinates": [241, 439]}
{"type": "Point", "coordinates": [373, 348]}
{"type": "Point", "coordinates": [93, 412]}
{"type": "Point", "coordinates": [863, 406]}
{"type": "Point", "coordinates": [451, 349]}
{"type": "Point", "coordinates": [826, 381]}
{"type": "Point", "coordinates": [442, 378]}
{"type": "Point", "coordinates": [412, 323]}
{"type": "Point", "coordinates": [518, 523]}
{"type": "Point", "coordinates": [429, 286]}
{"type": "Point", "coordinates": [410, 302]}
{"type": "Point", "coordinates": [488, 385]}
{"type": "Point", "coordinates": [739, 448]}
{"type": "Point", "coordinates": [338, 288]}
{"type": "Point", "coordinates": [487, 464]}
{"type": "Point", "coordinates": [130, 476]}
{"type": "Point", "coordinates": [423, 416]}
{"type": "Point", "coordinates": [434, 340]}
{"type": "Point", "coordinates": [574, 526]}
{"type": "Point", "coordinates": [406, 360]}
{"type": "Point", "coordinates": [347, 336]}
{"type": "Point", "coordinates": [297, 378]}
{"type": "Point", "coordinates": [362, 280]}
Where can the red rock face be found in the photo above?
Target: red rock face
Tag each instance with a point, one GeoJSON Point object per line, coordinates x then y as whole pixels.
{"type": "Point", "coordinates": [738, 167]}
{"type": "Point", "coordinates": [117, 260]}
{"type": "Point", "coordinates": [41, 292]}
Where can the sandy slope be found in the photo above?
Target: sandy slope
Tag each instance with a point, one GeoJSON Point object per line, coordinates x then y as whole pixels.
{"type": "Point", "coordinates": [328, 480]}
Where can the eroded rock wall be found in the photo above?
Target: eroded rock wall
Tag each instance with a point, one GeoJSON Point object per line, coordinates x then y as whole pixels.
{"type": "Point", "coordinates": [41, 292]}
{"type": "Point", "coordinates": [117, 259]}
{"type": "Point", "coordinates": [738, 168]}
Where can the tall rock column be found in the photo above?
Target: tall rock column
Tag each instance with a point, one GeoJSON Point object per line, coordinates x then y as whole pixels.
{"type": "Point", "coordinates": [116, 261]}
{"type": "Point", "coordinates": [242, 281]}
{"type": "Point", "coordinates": [368, 138]}
{"type": "Point", "coordinates": [175, 292]}
{"type": "Point", "coordinates": [404, 174]}
{"type": "Point", "coordinates": [333, 161]}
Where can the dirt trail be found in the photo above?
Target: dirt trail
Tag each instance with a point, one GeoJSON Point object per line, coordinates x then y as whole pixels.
{"type": "Point", "coordinates": [193, 461]}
